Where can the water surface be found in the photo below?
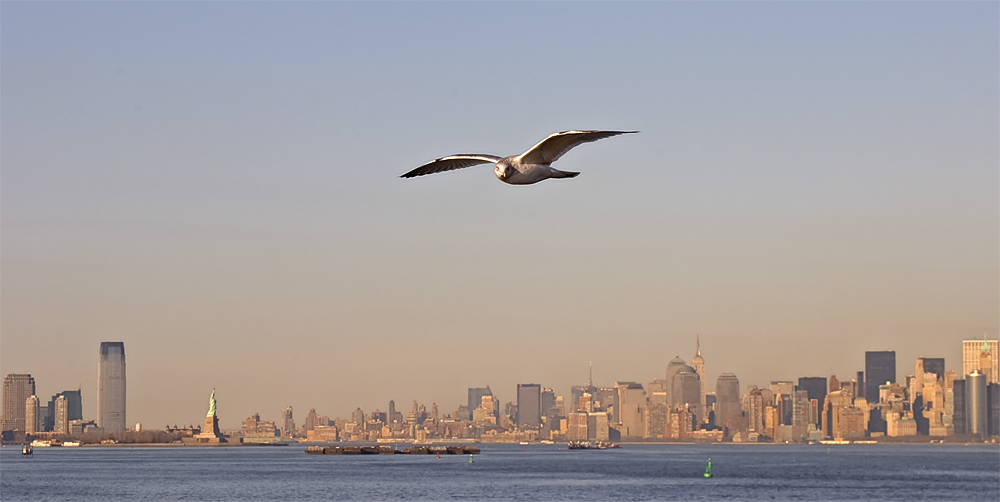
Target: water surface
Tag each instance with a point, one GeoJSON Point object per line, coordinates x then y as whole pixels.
{"type": "Point", "coordinates": [507, 472]}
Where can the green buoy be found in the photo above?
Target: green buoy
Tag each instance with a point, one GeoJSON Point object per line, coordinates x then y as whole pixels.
{"type": "Point", "coordinates": [470, 459]}
{"type": "Point", "coordinates": [708, 469]}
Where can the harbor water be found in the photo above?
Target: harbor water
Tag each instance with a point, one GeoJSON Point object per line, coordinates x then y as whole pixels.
{"type": "Point", "coordinates": [507, 472]}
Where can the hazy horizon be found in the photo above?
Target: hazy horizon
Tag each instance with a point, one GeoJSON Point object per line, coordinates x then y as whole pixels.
{"type": "Point", "coordinates": [216, 185]}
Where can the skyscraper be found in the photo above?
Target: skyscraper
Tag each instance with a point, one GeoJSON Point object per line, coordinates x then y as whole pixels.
{"type": "Point", "coordinates": [61, 416]}
{"type": "Point", "coordinates": [687, 391]}
{"type": "Point", "coordinates": [548, 400]}
{"type": "Point", "coordinates": [880, 367]}
{"type": "Point", "coordinates": [17, 388]}
{"type": "Point", "coordinates": [927, 393]}
{"type": "Point", "coordinates": [727, 405]}
{"type": "Point", "coordinates": [975, 403]}
{"type": "Point", "coordinates": [74, 404]}
{"type": "Point", "coordinates": [529, 405]}
{"type": "Point", "coordinates": [815, 388]}
{"type": "Point", "coordinates": [673, 367]}
{"type": "Point", "coordinates": [861, 384]}
{"type": "Point", "coordinates": [930, 365]}
{"type": "Point", "coordinates": [753, 404]}
{"type": "Point", "coordinates": [981, 355]}
{"type": "Point", "coordinates": [111, 387]}
{"type": "Point", "coordinates": [993, 409]}
{"type": "Point", "coordinates": [476, 398]}
{"type": "Point", "coordinates": [959, 415]}
{"type": "Point", "coordinates": [288, 424]}
{"type": "Point", "coordinates": [698, 363]}
{"type": "Point", "coordinates": [31, 415]}
{"type": "Point", "coordinates": [631, 408]}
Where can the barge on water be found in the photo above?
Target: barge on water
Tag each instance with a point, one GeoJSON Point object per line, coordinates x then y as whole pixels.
{"type": "Point", "coordinates": [389, 450]}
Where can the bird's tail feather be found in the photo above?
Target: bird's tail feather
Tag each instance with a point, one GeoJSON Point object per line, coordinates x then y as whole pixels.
{"type": "Point", "coordinates": [563, 174]}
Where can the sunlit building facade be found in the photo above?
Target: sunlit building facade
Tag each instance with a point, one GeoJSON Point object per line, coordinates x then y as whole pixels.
{"type": "Point", "coordinates": [111, 387]}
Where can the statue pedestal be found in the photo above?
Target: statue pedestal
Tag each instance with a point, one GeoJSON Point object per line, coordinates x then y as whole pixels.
{"type": "Point", "coordinates": [209, 436]}
{"type": "Point", "coordinates": [211, 427]}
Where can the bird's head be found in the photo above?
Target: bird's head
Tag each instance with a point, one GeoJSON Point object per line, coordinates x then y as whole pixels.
{"type": "Point", "coordinates": [503, 169]}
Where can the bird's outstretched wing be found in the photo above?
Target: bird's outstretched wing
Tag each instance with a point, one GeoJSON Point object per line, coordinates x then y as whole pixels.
{"type": "Point", "coordinates": [451, 162]}
{"type": "Point", "coordinates": [553, 147]}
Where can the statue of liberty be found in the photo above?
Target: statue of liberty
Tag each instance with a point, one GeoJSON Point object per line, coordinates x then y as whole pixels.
{"type": "Point", "coordinates": [211, 404]}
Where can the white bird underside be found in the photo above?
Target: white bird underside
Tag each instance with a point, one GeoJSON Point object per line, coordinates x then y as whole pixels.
{"type": "Point", "coordinates": [530, 167]}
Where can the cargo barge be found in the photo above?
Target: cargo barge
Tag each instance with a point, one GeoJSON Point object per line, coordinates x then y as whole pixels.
{"type": "Point", "coordinates": [389, 450]}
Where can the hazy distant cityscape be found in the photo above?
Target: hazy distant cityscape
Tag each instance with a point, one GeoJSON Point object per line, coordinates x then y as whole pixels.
{"type": "Point", "coordinates": [931, 404]}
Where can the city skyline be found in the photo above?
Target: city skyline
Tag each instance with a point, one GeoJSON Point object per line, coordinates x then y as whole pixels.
{"type": "Point", "coordinates": [373, 403]}
{"type": "Point", "coordinates": [216, 185]}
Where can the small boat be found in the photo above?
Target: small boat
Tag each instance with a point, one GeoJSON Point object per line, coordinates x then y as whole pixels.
{"type": "Point", "coordinates": [708, 469]}
{"type": "Point", "coordinates": [523, 443]}
{"type": "Point", "coordinates": [71, 443]}
{"type": "Point", "coordinates": [41, 443]}
{"type": "Point", "coordinates": [26, 450]}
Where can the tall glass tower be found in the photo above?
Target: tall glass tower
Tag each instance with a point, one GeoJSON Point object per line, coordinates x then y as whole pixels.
{"type": "Point", "coordinates": [529, 405]}
{"type": "Point", "coordinates": [111, 387]}
{"type": "Point", "coordinates": [880, 367]}
{"type": "Point", "coordinates": [727, 404]}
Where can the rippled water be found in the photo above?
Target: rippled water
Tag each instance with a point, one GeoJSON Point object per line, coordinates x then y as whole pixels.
{"type": "Point", "coordinates": [507, 472]}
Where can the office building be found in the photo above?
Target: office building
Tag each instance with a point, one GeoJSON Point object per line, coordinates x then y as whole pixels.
{"type": "Point", "coordinates": [674, 366]}
{"type": "Point", "coordinates": [548, 401]}
{"type": "Point", "coordinates": [993, 409]}
{"type": "Point", "coordinates": [861, 385]}
{"type": "Point", "coordinates": [486, 412]}
{"type": "Point", "coordinates": [597, 426]}
{"type": "Point", "coordinates": [111, 387]}
{"type": "Point", "coordinates": [586, 404]}
{"type": "Point", "coordinates": [880, 367]}
{"type": "Point", "coordinates": [727, 404]}
{"type": "Point", "coordinates": [981, 355]}
{"type": "Point", "coordinates": [753, 405]}
{"type": "Point", "coordinates": [577, 426]}
{"type": "Point", "coordinates": [17, 388]}
{"type": "Point", "coordinates": [975, 402]}
{"type": "Point", "coordinates": [687, 392]}
{"type": "Point", "coordinates": [959, 410]}
{"type": "Point", "coordinates": [630, 409]}
{"type": "Point", "coordinates": [785, 387]}
{"type": "Point", "coordinates": [74, 407]}
{"type": "Point", "coordinates": [834, 383]}
{"type": "Point", "coordinates": [476, 398]}
{"type": "Point", "coordinates": [529, 405]}
{"type": "Point", "coordinates": [815, 388]}
{"type": "Point", "coordinates": [930, 365]}
{"type": "Point", "coordinates": [656, 391]}
{"type": "Point", "coordinates": [288, 423]}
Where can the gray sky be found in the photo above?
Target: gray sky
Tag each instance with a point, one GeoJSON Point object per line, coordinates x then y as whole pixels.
{"type": "Point", "coordinates": [217, 186]}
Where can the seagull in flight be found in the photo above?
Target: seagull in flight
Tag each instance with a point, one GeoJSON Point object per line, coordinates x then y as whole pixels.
{"type": "Point", "coordinates": [529, 167]}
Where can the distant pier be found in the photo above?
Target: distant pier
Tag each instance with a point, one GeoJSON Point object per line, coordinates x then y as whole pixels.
{"type": "Point", "coordinates": [390, 450]}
